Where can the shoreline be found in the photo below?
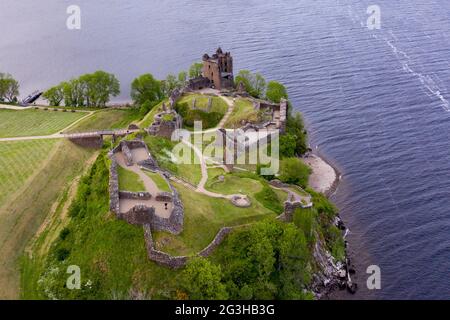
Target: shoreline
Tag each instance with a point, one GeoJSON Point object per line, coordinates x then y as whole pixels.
{"type": "Point", "coordinates": [325, 177]}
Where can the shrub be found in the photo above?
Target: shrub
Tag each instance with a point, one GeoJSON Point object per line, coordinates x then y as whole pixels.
{"type": "Point", "coordinates": [294, 171]}
{"type": "Point", "coordinates": [62, 254]}
{"type": "Point", "coordinates": [64, 233]}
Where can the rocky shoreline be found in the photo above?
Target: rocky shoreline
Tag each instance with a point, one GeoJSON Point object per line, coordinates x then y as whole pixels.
{"type": "Point", "coordinates": [334, 275]}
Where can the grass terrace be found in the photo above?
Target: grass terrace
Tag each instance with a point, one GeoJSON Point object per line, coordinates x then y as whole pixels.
{"type": "Point", "coordinates": [160, 182]}
{"type": "Point", "coordinates": [129, 181]}
{"type": "Point", "coordinates": [107, 119]}
{"type": "Point", "coordinates": [243, 110]}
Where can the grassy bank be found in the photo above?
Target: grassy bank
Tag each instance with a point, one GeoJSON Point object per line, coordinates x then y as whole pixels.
{"type": "Point", "coordinates": [22, 214]}
{"type": "Point", "coordinates": [107, 119]}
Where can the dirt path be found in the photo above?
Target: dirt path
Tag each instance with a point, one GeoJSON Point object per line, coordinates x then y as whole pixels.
{"type": "Point", "coordinates": [229, 112]}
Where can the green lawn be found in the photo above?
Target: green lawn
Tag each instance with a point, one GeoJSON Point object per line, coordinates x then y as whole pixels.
{"type": "Point", "coordinates": [22, 123]}
{"type": "Point", "coordinates": [203, 218]}
{"type": "Point", "coordinates": [160, 182]}
{"type": "Point", "coordinates": [107, 119]}
{"type": "Point", "coordinates": [18, 161]}
{"type": "Point", "coordinates": [129, 181]}
{"type": "Point", "coordinates": [243, 110]}
{"type": "Point", "coordinates": [233, 185]}
{"type": "Point", "coordinates": [218, 105]}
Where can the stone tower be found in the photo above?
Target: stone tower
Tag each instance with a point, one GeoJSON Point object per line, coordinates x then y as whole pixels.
{"type": "Point", "coordinates": [219, 69]}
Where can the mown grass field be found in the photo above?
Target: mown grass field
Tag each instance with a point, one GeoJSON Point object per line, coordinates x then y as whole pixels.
{"type": "Point", "coordinates": [21, 123]}
{"type": "Point", "coordinates": [18, 161]}
{"type": "Point", "coordinates": [37, 175]}
{"type": "Point", "coordinates": [107, 119]}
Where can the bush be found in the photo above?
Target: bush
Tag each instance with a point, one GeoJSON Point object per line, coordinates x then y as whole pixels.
{"type": "Point", "coordinates": [294, 171]}
{"type": "Point", "coordinates": [62, 254]}
{"type": "Point", "coordinates": [64, 233]}
{"type": "Point", "coordinates": [288, 145]}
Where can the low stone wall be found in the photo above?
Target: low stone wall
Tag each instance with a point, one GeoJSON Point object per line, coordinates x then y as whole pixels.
{"type": "Point", "coordinates": [159, 257]}
{"type": "Point", "coordinates": [221, 235]}
{"type": "Point", "coordinates": [164, 197]}
{"type": "Point", "coordinates": [114, 204]}
{"type": "Point", "coordinates": [176, 262]}
{"type": "Point", "coordinates": [134, 195]}
{"type": "Point", "coordinates": [127, 154]}
{"type": "Point", "coordinates": [289, 209]}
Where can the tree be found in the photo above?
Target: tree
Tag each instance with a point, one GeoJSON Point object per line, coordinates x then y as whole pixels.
{"type": "Point", "coordinates": [182, 78]}
{"type": "Point", "coordinates": [244, 77]}
{"type": "Point", "coordinates": [276, 91]}
{"type": "Point", "coordinates": [146, 88]}
{"type": "Point", "coordinates": [195, 70]}
{"type": "Point", "coordinates": [170, 84]}
{"type": "Point", "coordinates": [54, 95]}
{"type": "Point", "coordinates": [259, 84]}
{"type": "Point", "coordinates": [98, 88]}
{"type": "Point", "coordinates": [250, 259]}
{"type": "Point", "coordinates": [294, 257]}
{"type": "Point", "coordinates": [9, 87]}
{"type": "Point", "coordinates": [254, 83]}
{"type": "Point", "coordinates": [202, 280]}
{"type": "Point", "coordinates": [288, 145]}
{"type": "Point", "coordinates": [296, 128]}
{"type": "Point", "coordinates": [294, 171]}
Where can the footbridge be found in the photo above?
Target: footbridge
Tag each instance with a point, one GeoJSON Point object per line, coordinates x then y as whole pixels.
{"type": "Point", "coordinates": [94, 139]}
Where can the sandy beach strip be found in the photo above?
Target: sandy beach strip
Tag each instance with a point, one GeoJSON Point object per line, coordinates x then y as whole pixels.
{"type": "Point", "coordinates": [324, 178]}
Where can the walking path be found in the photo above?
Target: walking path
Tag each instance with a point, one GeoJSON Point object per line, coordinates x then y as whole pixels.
{"type": "Point", "coordinates": [229, 112]}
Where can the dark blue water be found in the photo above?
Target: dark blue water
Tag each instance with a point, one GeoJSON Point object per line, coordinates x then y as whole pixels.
{"type": "Point", "coordinates": [376, 101]}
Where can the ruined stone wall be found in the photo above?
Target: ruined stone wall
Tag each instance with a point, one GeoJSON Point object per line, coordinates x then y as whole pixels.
{"type": "Point", "coordinates": [134, 195]}
{"type": "Point", "coordinates": [127, 153]}
{"type": "Point", "coordinates": [283, 115]}
{"type": "Point", "coordinates": [139, 215]}
{"type": "Point", "coordinates": [289, 209]}
{"type": "Point", "coordinates": [161, 257]}
{"type": "Point", "coordinates": [175, 262]}
{"type": "Point", "coordinates": [221, 235]}
{"type": "Point", "coordinates": [114, 205]}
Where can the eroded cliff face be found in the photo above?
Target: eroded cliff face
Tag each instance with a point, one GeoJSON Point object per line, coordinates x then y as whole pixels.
{"type": "Point", "coordinates": [331, 275]}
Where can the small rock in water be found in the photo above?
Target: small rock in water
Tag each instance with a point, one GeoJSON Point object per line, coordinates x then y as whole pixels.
{"type": "Point", "coordinates": [352, 287]}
